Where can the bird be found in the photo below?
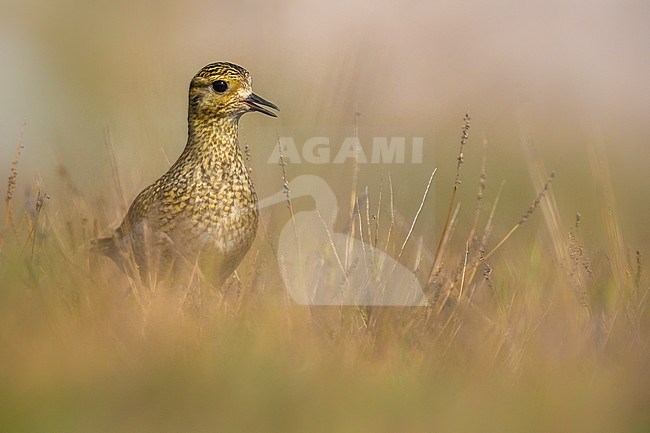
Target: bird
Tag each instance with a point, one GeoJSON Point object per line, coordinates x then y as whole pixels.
{"type": "Point", "coordinates": [322, 267]}
{"type": "Point", "coordinates": [204, 208]}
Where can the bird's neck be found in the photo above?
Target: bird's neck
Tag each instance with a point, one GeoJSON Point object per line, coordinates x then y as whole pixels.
{"type": "Point", "coordinates": [213, 144]}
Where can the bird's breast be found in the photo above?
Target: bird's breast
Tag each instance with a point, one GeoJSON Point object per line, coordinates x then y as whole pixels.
{"type": "Point", "coordinates": [223, 217]}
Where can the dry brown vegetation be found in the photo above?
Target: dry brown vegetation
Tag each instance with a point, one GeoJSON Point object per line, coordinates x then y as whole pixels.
{"type": "Point", "coordinates": [535, 337]}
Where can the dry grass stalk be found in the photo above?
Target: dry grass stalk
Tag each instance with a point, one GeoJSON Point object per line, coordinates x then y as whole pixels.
{"type": "Point", "coordinates": [367, 221]}
{"type": "Point", "coordinates": [444, 237]}
{"type": "Point", "coordinates": [479, 195]}
{"type": "Point", "coordinates": [602, 180]}
{"type": "Point", "coordinates": [415, 218]}
{"type": "Point", "coordinates": [480, 248]}
{"type": "Point", "coordinates": [637, 277]}
{"type": "Point", "coordinates": [431, 281]}
{"type": "Point", "coordinates": [579, 262]}
{"type": "Point", "coordinates": [115, 174]}
{"type": "Point", "coordinates": [287, 193]}
{"type": "Point", "coordinates": [353, 189]}
{"type": "Point", "coordinates": [531, 209]}
{"type": "Point", "coordinates": [41, 196]}
{"type": "Point", "coordinates": [464, 270]}
{"type": "Point", "coordinates": [11, 183]}
{"type": "Point", "coordinates": [391, 226]}
{"type": "Point", "coordinates": [377, 216]}
{"type": "Point", "coordinates": [539, 174]}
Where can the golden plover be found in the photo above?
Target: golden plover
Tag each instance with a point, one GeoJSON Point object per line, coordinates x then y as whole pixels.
{"type": "Point", "coordinates": [205, 205]}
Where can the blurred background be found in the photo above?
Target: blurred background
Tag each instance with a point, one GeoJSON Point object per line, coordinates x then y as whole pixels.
{"type": "Point", "coordinates": [563, 74]}
{"type": "Point", "coordinates": [558, 84]}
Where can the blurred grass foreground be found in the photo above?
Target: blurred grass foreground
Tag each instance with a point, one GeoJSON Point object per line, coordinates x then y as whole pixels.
{"type": "Point", "coordinates": [514, 337]}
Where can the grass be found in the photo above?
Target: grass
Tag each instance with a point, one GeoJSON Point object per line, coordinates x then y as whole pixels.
{"type": "Point", "coordinates": [539, 335]}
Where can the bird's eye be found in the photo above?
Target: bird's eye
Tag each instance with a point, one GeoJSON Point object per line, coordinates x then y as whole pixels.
{"type": "Point", "coordinates": [220, 86]}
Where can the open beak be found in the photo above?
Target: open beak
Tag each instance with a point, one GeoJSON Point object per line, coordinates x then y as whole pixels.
{"type": "Point", "coordinates": [256, 103]}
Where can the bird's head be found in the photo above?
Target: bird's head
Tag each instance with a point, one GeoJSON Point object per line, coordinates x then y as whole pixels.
{"type": "Point", "coordinates": [225, 90]}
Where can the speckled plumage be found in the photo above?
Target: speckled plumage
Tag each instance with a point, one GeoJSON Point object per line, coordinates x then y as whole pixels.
{"type": "Point", "coordinates": [205, 205]}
